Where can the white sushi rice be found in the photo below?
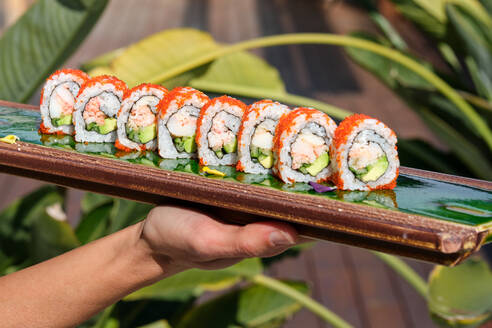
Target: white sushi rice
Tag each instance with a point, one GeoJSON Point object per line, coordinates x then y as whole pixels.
{"type": "Point", "coordinates": [146, 96]}
{"type": "Point", "coordinates": [111, 102]}
{"type": "Point", "coordinates": [232, 115]}
{"type": "Point", "coordinates": [191, 107]}
{"type": "Point", "coordinates": [48, 106]}
{"type": "Point", "coordinates": [261, 115]}
{"type": "Point", "coordinates": [320, 125]}
{"type": "Point", "coordinates": [369, 131]}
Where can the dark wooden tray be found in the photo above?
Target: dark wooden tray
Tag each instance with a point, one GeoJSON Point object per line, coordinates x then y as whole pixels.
{"type": "Point", "coordinates": [446, 231]}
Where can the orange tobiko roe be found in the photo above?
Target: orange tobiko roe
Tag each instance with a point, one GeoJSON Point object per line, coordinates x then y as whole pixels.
{"type": "Point", "coordinates": [104, 79]}
{"type": "Point", "coordinates": [342, 133]}
{"type": "Point", "coordinates": [223, 99]}
{"type": "Point", "coordinates": [82, 75]}
{"type": "Point", "coordinates": [180, 96]}
{"type": "Point", "coordinates": [254, 107]}
{"type": "Point", "coordinates": [140, 87]}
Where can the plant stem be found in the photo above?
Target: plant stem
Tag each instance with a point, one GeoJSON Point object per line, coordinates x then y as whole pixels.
{"type": "Point", "coordinates": [405, 271]}
{"type": "Point", "coordinates": [253, 92]}
{"type": "Point", "coordinates": [346, 41]}
{"type": "Point", "coordinates": [305, 300]}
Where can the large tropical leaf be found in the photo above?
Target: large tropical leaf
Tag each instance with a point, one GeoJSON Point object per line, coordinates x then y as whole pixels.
{"type": "Point", "coordinates": [254, 306]}
{"type": "Point", "coordinates": [461, 296]}
{"type": "Point", "coordinates": [125, 213]}
{"type": "Point", "coordinates": [16, 223]}
{"type": "Point", "coordinates": [194, 282]}
{"type": "Point", "coordinates": [40, 41]}
{"type": "Point", "coordinates": [147, 59]}
{"type": "Point", "coordinates": [93, 225]}
{"type": "Point", "coordinates": [475, 40]}
{"type": "Point", "coordinates": [51, 237]}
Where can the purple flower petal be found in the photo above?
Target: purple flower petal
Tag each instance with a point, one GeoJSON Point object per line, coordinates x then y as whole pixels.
{"type": "Point", "coordinates": [321, 188]}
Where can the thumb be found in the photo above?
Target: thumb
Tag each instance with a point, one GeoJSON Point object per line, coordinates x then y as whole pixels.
{"type": "Point", "coordinates": [260, 239]}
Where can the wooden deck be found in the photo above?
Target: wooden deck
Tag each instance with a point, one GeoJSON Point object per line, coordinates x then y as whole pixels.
{"type": "Point", "coordinates": [350, 281]}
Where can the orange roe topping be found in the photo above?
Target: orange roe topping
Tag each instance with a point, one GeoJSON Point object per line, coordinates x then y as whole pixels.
{"type": "Point", "coordinates": [144, 86]}
{"type": "Point", "coordinates": [104, 79]}
{"type": "Point", "coordinates": [203, 113]}
{"type": "Point", "coordinates": [120, 146]}
{"type": "Point", "coordinates": [180, 96]}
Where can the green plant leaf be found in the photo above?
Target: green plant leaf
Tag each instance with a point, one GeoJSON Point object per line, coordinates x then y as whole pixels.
{"type": "Point", "coordinates": [125, 213]}
{"type": "Point", "coordinates": [16, 223]}
{"type": "Point", "coordinates": [475, 39]}
{"type": "Point", "coordinates": [240, 69]}
{"type": "Point", "coordinates": [92, 200]}
{"type": "Point", "coordinates": [157, 324]}
{"type": "Point", "coordinates": [468, 152]}
{"type": "Point", "coordinates": [93, 225]}
{"type": "Point", "coordinates": [421, 18]}
{"type": "Point", "coordinates": [194, 282]}
{"type": "Point", "coordinates": [50, 237]}
{"type": "Point", "coordinates": [253, 306]}
{"type": "Point", "coordinates": [40, 41]}
{"type": "Point", "coordinates": [145, 60]}
{"type": "Point", "coordinates": [461, 296]}
{"type": "Point", "coordinates": [247, 75]}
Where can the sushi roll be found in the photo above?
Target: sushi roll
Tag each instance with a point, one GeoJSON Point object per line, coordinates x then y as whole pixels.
{"type": "Point", "coordinates": [217, 128]}
{"type": "Point", "coordinates": [255, 138]}
{"type": "Point", "coordinates": [97, 105]}
{"type": "Point", "coordinates": [136, 122]}
{"type": "Point", "coordinates": [58, 100]}
{"type": "Point", "coordinates": [301, 146]}
{"type": "Point", "coordinates": [365, 154]}
{"type": "Point", "coordinates": [176, 125]}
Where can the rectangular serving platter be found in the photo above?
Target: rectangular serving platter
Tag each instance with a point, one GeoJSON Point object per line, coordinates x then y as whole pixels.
{"type": "Point", "coordinates": [429, 216]}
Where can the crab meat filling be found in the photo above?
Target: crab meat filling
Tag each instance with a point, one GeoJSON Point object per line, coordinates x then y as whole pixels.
{"type": "Point", "coordinates": [61, 103]}
{"type": "Point", "coordinates": [367, 161]}
{"type": "Point", "coordinates": [182, 126]}
{"type": "Point", "coordinates": [141, 125]}
{"type": "Point", "coordinates": [309, 150]}
{"type": "Point", "coordinates": [222, 136]}
{"type": "Point", "coordinates": [99, 113]}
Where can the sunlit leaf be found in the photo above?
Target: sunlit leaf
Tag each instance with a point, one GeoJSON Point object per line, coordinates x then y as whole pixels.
{"type": "Point", "coordinates": [194, 282]}
{"type": "Point", "coordinates": [254, 306]}
{"type": "Point", "coordinates": [240, 69]}
{"type": "Point", "coordinates": [461, 296]}
{"type": "Point", "coordinates": [125, 213]}
{"type": "Point", "coordinates": [40, 41]}
{"type": "Point", "coordinates": [147, 59]}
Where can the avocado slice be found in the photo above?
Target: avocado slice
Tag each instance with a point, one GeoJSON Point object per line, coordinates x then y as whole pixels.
{"type": "Point", "coordinates": [189, 144]}
{"type": "Point", "coordinates": [231, 147]}
{"type": "Point", "coordinates": [320, 163]}
{"type": "Point", "coordinates": [146, 133]}
{"type": "Point", "coordinates": [108, 126]}
{"type": "Point", "coordinates": [62, 120]}
{"type": "Point", "coordinates": [91, 126]}
{"type": "Point", "coordinates": [132, 134]}
{"type": "Point", "coordinates": [254, 151]}
{"type": "Point", "coordinates": [266, 160]}
{"type": "Point", "coordinates": [219, 153]}
{"type": "Point", "coordinates": [375, 170]}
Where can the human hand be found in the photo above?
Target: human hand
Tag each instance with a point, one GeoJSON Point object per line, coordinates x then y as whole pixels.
{"type": "Point", "coordinates": [181, 239]}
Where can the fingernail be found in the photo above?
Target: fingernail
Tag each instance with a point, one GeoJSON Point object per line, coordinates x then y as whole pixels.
{"type": "Point", "coordinates": [280, 238]}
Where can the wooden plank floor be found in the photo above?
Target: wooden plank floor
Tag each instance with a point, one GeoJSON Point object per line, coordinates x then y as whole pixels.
{"type": "Point", "coordinates": [350, 281]}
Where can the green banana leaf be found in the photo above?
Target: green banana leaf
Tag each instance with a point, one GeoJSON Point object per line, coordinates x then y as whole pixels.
{"type": "Point", "coordinates": [43, 38]}
{"type": "Point", "coordinates": [254, 306]}
{"type": "Point", "coordinates": [461, 296]}
{"type": "Point", "coordinates": [194, 282]}
{"type": "Point", "coordinates": [93, 225]}
{"type": "Point", "coordinates": [475, 40]}
{"type": "Point", "coordinates": [145, 60]}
